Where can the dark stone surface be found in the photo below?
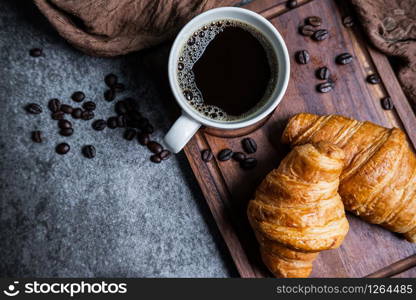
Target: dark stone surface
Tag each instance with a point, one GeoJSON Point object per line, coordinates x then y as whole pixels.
{"type": "Point", "coordinates": [115, 215]}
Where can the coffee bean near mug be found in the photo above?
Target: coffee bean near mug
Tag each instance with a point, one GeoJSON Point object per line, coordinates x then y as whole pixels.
{"type": "Point", "coordinates": [228, 69]}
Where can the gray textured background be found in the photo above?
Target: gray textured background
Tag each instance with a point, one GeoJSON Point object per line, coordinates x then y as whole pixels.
{"type": "Point", "coordinates": [115, 215]}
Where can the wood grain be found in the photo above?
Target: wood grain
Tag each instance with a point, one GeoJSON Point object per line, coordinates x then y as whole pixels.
{"type": "Point", "coordinates": [227, 188]}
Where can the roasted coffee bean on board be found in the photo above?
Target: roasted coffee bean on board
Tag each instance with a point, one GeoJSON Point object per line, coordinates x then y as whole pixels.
{"type": "Point", "coordinates": [112, 122]}
{"type": "Point", "coordinates": [387, 103]}
{"type": "Point", "coordinates": [323, 73]}
{"type": "Point", "coordinates": [110, 80]}
{"type": "Point", "coordinates": [54, 105]}
{"type": "Point", "coordinates": [154, 147]}
{"type": "Point", "coordinates": [325, 87]}
{"type": "Point", "coordinates": [249, 145]}
{"type": "Point", "coordinates": [62, 148]}
{"type": "Point", "coordinates": [373, 79]}
{"type": "Point", "coordinates": [225, 154]}
{"type": "Point", "coordinates": [121, 121]}
{"type": "Point", "coordinates": [76, 113]}
{"type": "Point", "coordinates": [88, 151]}
{"type": "Point", "coordinates": [249, 163]}
{"type": "Point", "coordinates": [239, 156]}
{"type": "Point", "coordinates": [87, 115]}
{"type": "Point", "coordinates": [66, 131]}
{"type": "Point", "coordinates": [206, 155]}
{"type": "Point", "coordinates": [37, 136]}
{"type": "Point", "coordinates": [121, 107]}
{"type": "Point", "coordinates": [307, 30]}
{"type": "Point", "coordinates": [155, 158]}
{"type": "Point", "coordinates": [302, 57]}
{"type": "Point", "coordinates": [99, 125]}
{"type": "Point", "coordinates": [59, 115]}
{"type": "Point", "coordinates": [344, 58]}
{"type": "Point", "coordinates": [33, 108]}
{"type": "Point", "coordinates": [89, 105]}
{"type": "Point", "coordinates": [143, 138]}
{"type": "Point", "coordinates": [165, 154]}
{"type": "Point", "coordinates": [64, 124]}
{"type": "Point", "coordinates": [314, 21]}
{"type": "Point", "coordinates": [320, 35]}
{"type": "Point", "coordinates": [66, 108]}
{"type": "Point", "coordinates": [109, 95]}
{"type": "Point", "coordinates": [35, 52]}
{"type": "Point", "coordinates": [78, 96]}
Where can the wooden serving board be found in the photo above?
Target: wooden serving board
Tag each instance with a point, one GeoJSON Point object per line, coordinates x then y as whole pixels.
{"type": "Point", "coordinates": [227, 188]}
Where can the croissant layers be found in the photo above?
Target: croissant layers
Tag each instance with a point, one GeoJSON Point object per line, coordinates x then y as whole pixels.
{"type": "Point", "coordinates": [378, 182]}
{"type": "Point", "coordinates": [297, 210]}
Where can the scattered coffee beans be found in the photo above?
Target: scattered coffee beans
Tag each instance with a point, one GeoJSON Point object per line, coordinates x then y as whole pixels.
{"type": "Point", "coordinates": [249, 163]}
{"type": "Point", "coordinates": [89, 105]}
{"type": "Point", "coordinates": [109, 95]}
{"type": "Point", "coordinates": [307, 30]}
{"type": "Point", "coordinates": [325, 87]}
{"type": "Point", "coordinates": [323, 73]}
{"type": "Point", "coordinates": [66, 108]}
{"type": "Point", "coordinates": [343, 59]}
{"type": "Point", "coordinates": [78, 96]}
{"type": "Point", "coordinates": [64, 124]}
{"type": "Point", "coordinates": [121, 107]}
{"type": "Point", "coordinates": [155, 158]}
{"type": "Point", "coordinates": [373, 79]}
{"type": "Point", "coordinates": [239, 156]}
{"type": "Point", "coordinates": [302, 57]}
{"type": "Point", "coordinates": [164, 155]}
{"type": "Point", "coordinates": [292, 4]}
{"type": "Point", "coordinates": [387, 103]}
{"type": "Point", "coordinates": [112, 122]}
{"type": "Point", "coordinates": [143, 138]}
{"type": "Point", "coordinates": [99, 125]}
{"type": "Point", "coordinates": [154, 147]}
{"type": "Point", "coordinates": [35, 52]}
{"type": "Point", "coordinates": [206, 155]}
{"type": "Point", "coordinates": [129, 134]}
{"type": "Point", "coordinates": [314, 21]}
{"type": "Point", "coordinates": [33, 108]}
{"type": "Point", "coordinates": [87, 115]}
{"type": "Point", "coordinates": [66, 131]}
{"type": "Point", "coordinates": [76, 113]}
{"type": "Point", "coordinates": [88, 151]}
{"type": "Point", "coordinates": [225, 154]}
{"type": "Point", "coordinates": [62, 148]}
{"type": "Point", "coordinates": [37, 136]}
{"type": "Point", "coordinates": [348, 21]}
{"type": "Point", "coordinates": [59, 115]}
{"type": "Point", "coordinates": [249, 145]}
{"type": "Point", "coordinates": [54, 105]}
{"type": "Point", "coordinates": [320, 35]}
{"type": "Point", "coordinates": [110, 80]}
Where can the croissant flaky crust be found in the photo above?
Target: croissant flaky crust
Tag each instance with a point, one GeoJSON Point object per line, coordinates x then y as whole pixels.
{"type": "Point", "coordinates": [297, 211]}
{"type": "Point", "coordinates": [379, 179]}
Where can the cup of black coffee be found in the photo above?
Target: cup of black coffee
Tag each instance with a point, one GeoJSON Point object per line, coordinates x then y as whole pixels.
{"type": "Point", "coordinates": [228, 69]}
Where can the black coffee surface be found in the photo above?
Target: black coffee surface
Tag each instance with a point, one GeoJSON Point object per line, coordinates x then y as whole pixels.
{"type": "Point", "coordinates": [233, 73]}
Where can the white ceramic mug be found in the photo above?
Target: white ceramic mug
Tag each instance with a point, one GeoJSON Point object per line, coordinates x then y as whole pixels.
{"type": "Point", "coordinates": [190, 120]}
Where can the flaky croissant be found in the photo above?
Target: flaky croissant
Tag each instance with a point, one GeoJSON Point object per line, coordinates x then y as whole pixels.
{"type": "Point", "coordinates": [297, 211]}
{"type": "Point", "coordinates": [379, 179]}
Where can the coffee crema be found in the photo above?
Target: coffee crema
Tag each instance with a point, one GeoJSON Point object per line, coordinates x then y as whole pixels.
{"type": "Point", "coordinates": [227, 70]}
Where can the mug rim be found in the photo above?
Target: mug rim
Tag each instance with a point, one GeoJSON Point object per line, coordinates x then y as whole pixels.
{"type": "Point", "coordinates": [283, 63]}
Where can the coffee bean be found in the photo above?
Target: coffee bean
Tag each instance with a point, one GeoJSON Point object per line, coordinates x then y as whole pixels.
{"type": "Point", "coordinates": [119, 87]}
{"type": "Point", "coordinates": [109, 95]}
{"type": "Point", "coordinates": [66, 108]}
{"type": "Point", "coordinates": [33, 108]}
{"type": "Point", "coordinates": [129, 134]}
{"type": "Point", "coordinates": [164, 155]}
{"type": "Point", "coordinates": [62, 148]}
{"type": "Point", "coordinates": [302, 57]}
{"type": "Point", "coordinates": [99, 125]}
{"type": "Point", "coordinates": [154, 147]}
{"type": "Point", "coordinates": [307, 30]}
{"type": "Point", "coordinates": [121, 107]}
{"type": "Point", "coordinates": [206, 155]}
{"type": "Point", "coordinates": [320, 35]}
{"type": "Point", "coordinates": [87, 115]}
{"type": "Point", "coordinates": [54, 105]}
{"type": "Point", "coordinates": [387, 103]}
{"type": "Point", "coordinates": [35, 52]}
{"type": "Point", "coordinates": [155, 158]}
{"type": "Point", "coordinates": [181, 66]}
{"type": "Point", "coordinates": [59, 115]}
{"type": "Point", "coordinates": [348, 21]}
{"type": "Point", "coordinates": [373, 79]}
{"type": "Point", "coordinates": [249, 145]}
{"type": "Point", "coordinates": [225, 154]}
{"type": "Point", "coordinates": [78, 96]}
{"type": "Point", "coordinates": [325, 87]}
{"type": "Point", "coordinates": [110, 80]}
{"type": "Point", "coordinates": [112, 122]}
{"type": "Point", "coordinates": [88, 151]}
{"type": "Point", "coordinates": [344, 58]}
{"type": "Point", "coordinates": [292, 4]}
{"type": "Point", "coordinates": [121, 121]}
{"type": "Point", "coordinates": [37, 136]}
{"type": "Point", "coordinates": [323, 73]}
{"type": "Point", "coordinates": [148, 128]}
{"type": "Point", "coordinates": [77, 113]}
{"type": "Point", "coordinates": [239, 156]}
{"type": "Point", "coordinates": [143, 138]}
{"type": "Point", "coordinates": [66, 131]}
{"type": "Point", "coordinates": [315, 21]}
{"type": "Point", "coordinates": [249, 163]}
{"type": "Point", "coordinates": [64, 124]}
{"type": "Point", "coordinates": [89, 105]}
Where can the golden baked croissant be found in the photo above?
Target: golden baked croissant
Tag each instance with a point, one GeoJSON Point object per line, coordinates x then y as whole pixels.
{"type": "Point", "coordinates": [297, 211]}
{"type": "Point", "coordinates": [378, 182]}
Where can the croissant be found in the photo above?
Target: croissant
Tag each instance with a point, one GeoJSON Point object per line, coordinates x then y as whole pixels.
{"type": "Point", "coordinates": [378, 182]}
{"type": "Point", "coordinates": [297, 212]}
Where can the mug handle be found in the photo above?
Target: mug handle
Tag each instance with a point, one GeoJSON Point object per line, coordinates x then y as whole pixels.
{"type": "Point", "coordinates": [180, 133]}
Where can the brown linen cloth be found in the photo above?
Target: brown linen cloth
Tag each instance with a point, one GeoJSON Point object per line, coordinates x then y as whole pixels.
{"type": "Point", "coordinates": [115, 27]}
{"type": "Point", "coordinates": [391, 27]}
